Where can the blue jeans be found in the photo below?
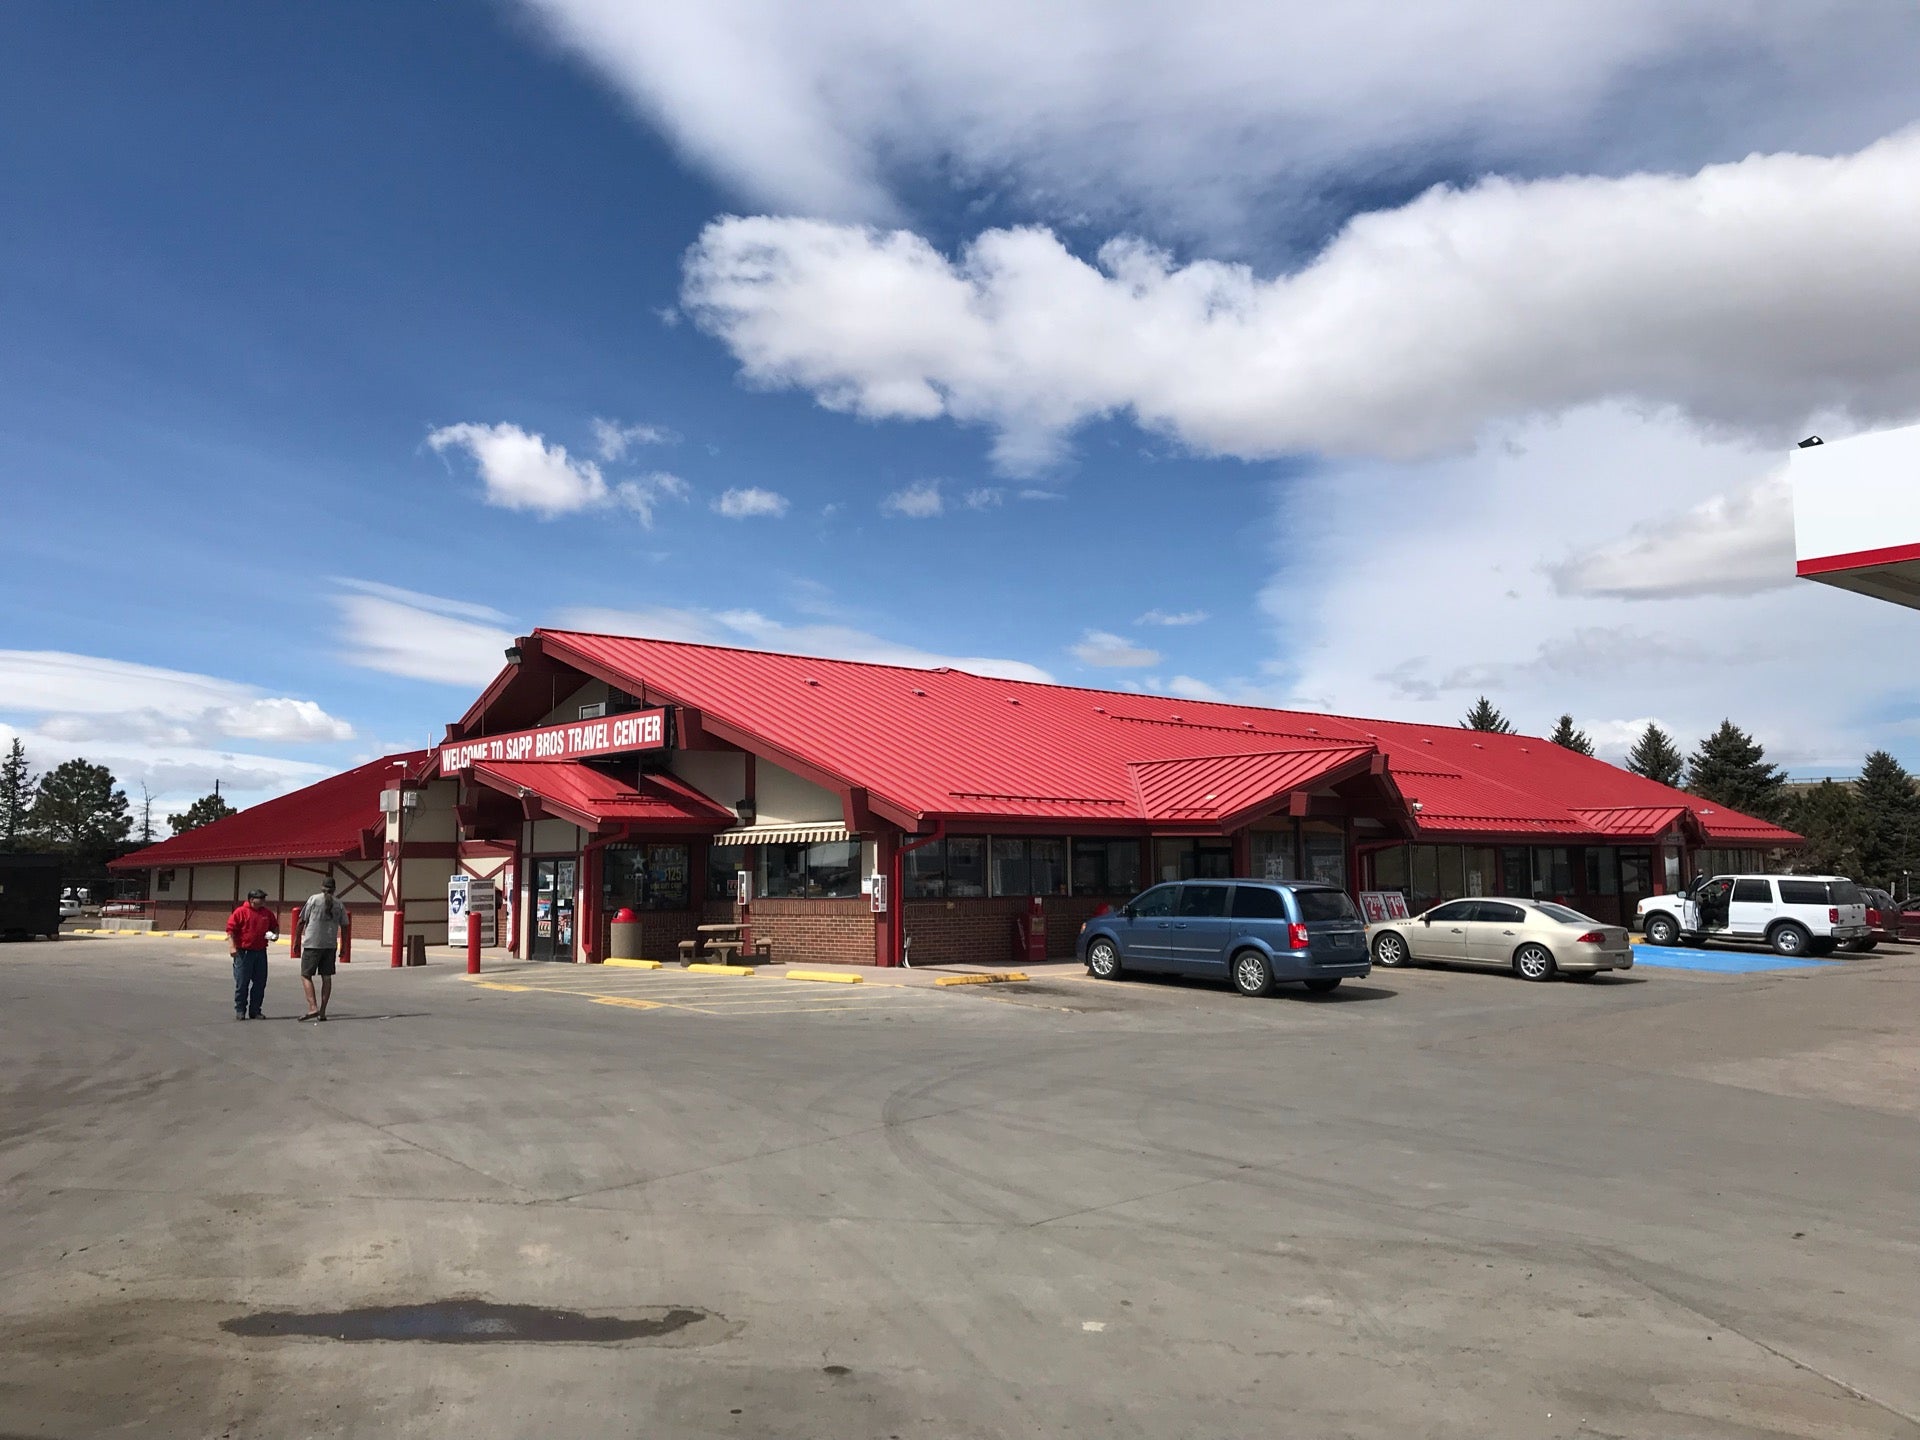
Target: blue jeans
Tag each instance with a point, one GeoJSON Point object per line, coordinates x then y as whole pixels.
{"type": "Point", "coordinates": [249, 981]}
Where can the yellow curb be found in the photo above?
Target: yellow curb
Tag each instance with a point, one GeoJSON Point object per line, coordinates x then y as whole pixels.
{"type": "Point", "coordinates": [832, 977]}
{"type": "Point", "coordinates": [633, 964]}
{"type": "Point", "coordinates": [705, 969]}
{"type": "Point", "coordinates": [629, 1004]}
{"type": "Point", "coordinates": [1003, 977]}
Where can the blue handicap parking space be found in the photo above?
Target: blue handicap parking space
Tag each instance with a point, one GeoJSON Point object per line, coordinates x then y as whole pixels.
{"type": "Point", "coordinates": [1719, 962]}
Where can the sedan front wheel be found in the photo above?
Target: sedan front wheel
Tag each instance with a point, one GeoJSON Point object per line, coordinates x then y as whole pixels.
{"type": "Point", "coordinates": [1390, 951]}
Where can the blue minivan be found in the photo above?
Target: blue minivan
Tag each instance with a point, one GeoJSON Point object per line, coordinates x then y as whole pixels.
{"type": "Point", "coordinates": [1258, 933]}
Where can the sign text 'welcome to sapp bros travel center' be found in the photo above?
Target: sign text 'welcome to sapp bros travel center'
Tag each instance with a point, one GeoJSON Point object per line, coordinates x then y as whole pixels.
{"type": "Point", "coordinates": [640, 730]}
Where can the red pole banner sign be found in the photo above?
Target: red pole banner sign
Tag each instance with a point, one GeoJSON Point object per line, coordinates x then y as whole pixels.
{"type": "Point", "coordinates": [638, 730]}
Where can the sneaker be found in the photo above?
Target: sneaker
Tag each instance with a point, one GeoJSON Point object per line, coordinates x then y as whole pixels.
{"type": "Point", "coordinates": [320, 1018]}
{"type": "Point", "coordinates": [238, 1015]}
{"type": "Point", "coordinates": [256, 1015]}
{"type": "Point", "coordinates": [311, 1015]}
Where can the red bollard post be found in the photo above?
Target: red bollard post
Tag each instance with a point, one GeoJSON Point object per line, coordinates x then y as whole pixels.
{"type": "Point", "coordinates": [473, 943]}
{"type": "Point", "coordinates": [399, 935]}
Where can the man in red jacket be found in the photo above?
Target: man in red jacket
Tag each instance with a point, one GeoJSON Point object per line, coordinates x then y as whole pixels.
{"type": "Point", "coordinates": [250, 929]}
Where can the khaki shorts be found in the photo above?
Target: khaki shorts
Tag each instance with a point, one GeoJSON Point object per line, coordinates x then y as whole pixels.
{"type": "Point", "coordinates": [315, 961]}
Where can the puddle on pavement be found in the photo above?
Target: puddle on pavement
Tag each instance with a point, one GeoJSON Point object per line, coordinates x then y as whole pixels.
{"type": "Point", "coordinates": [468, 1322]}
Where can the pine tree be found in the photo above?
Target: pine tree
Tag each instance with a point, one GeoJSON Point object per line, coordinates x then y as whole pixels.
{"type": "Point", "coordinates": [204, 811]}
{"type": "Point", "coordinates": [1889, 822]}
{"type": "Point", "coordinates": [1484, 717]}
{"type": "Point", "coordinates": [16, 797]}
{"type": "Point", "coordinates": [77, 809]}
{"type": "Point", "coordinates": [1830, 817]}
{"type": "Point", "coordinates": [146, 814]}
{"type": "Point", "coordinates": [1731, 767]}
{"type": "Point", "coordinates": [1655, 756]}
{"type": "Point", "coordinates": [1567, 737]}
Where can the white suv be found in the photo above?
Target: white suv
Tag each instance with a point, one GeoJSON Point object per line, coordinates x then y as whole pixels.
{"type": "Point", "coordinates": [1795, 914]}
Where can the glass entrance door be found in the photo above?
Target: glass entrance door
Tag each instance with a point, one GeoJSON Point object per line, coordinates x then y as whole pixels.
{"type": "Point", "coordinates": [553, 887]}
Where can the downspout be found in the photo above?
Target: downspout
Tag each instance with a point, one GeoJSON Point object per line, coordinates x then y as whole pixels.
{"type": "Point", "coordinates": [896, 882]}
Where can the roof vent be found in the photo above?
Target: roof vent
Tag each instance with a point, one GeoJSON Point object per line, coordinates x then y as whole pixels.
{"type": "Point", "coordinates": [809, 681]}
{"type": "Point", "coordinates": [1173, 717]}
{"type": "Point", "coordinates": [1212, 797]}
{"type": "Point", "coordinates": [1426, 739]}
{"type": "Point", "coordinates": [1313, 729]}
{"type": "Point", "coordinates": [1099, 709]}
{"type": "Point", "coordinates": [918, 691]}
{"type": "Point", "coordinates": [1478, 746]}
{"type": "Point", "coordinates": [1013, 699]}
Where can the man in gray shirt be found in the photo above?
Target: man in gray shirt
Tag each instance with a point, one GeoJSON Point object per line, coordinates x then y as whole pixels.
{"type": "Point", "coordinates": [320, 921]}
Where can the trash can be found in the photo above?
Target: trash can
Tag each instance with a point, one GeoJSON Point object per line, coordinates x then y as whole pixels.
{"type": "Point", "coordinates": [624, 943]}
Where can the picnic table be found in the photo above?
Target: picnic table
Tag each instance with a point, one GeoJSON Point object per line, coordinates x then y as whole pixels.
{"type": "Point", "coordinates": [725, 942]}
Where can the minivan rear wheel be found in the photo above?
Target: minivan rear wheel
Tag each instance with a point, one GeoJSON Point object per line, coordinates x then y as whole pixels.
{"type": "Point", "coordinates": [1103, 960]}
{"type": "Point", "coordinates": [1252, 975]}
{"type": "Point", "coordinates": [1321, 987]}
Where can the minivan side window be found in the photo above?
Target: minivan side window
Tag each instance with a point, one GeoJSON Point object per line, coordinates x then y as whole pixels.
{"type": "Point", "coordinates": [1204, 900]}
{"type": "Point", "coordinates": [1157, 901]}
{"type": "Point", "coordinates": [1753, 892]}
{"type": "Point", "coordinates": [1803, 892]}
{"type": "Point", "coordinates": [1256, 902]}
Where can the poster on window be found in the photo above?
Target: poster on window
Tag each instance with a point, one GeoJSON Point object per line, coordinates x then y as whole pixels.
{"type": "Point", "coordinates": [1373, 905]}
{"type": "Point", "coordinates": [1396, 905]}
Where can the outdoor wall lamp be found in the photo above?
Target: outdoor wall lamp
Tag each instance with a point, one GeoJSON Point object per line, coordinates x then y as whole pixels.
{"type": "Point", "coordinates": [745, 810]}
{"type": "Point", "coordinates": [514, 655]}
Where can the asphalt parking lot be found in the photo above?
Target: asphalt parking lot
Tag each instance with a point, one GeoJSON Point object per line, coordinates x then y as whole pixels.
{"type": "Point", "coordinates": [1437, 1203]}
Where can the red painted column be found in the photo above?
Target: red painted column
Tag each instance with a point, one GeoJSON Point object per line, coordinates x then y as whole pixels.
{"type": "Point", "coordinates": [473, 942]}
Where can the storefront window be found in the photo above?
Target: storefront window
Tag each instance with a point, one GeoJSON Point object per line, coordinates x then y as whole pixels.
{"type": "Point", "coordinates": [1453, 872]}
{"type": "Point", "coordinates": [1106, 867]}
{"type": "Point", "coordinates": [644, 877]}
{"type": "Point", "coordinates": [1552, 871]}
{"type": "Point", "coordinates": [1426, 876]}
{"type": "Point", "coordinates": [924, 871]}
{"type": "Point", "coordinates": [1271, 855]}
{"type": "Point", "coordinates": [1324, 850]}
{"type": "Point", "coordinates": [966, 865]}
{"type": "Point", "coordinates": [724, 862]}
{"type": "Point", "coordinates": [1602, 878]}
{"type": "Point", "coordinates": [1483, 870]}
{"type": "Point", "coordinates": [1516, 875]}
{"type": "Point", "coordinates": [1193, 860]}
{"type": "Point", "coordinates": [810, 872]}
{"type": "Point", "coordinates": [1390, 869]}
{"type": "Point", "coordinates": [1029, 867]}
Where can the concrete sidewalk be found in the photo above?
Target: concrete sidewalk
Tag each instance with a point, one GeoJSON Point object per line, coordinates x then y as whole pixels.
{"type": "Point", "coordinates": [930, 975]}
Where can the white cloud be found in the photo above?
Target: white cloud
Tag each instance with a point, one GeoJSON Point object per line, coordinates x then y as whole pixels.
{"type": "Point", "coordinates": [1041, 495]}
{"type": "Point", "coordinates": [1188, 688]}
{"type": "Point", "coordinates": [439, 604]}
{"type": "Point", "coordinates": [983, 498]}
{"type": "Point", "coordinates": [1174, 617]}
{"type": "Point", "coordinates": [1752, 297]}
{"type": "Point", "coordinates": [88, 698]}
{"type": "Point", "coordinates": [752, 501]}
{"type": "Point", "coordinates": [1409, 612]}
{"type": "Point", "coordinates": [613, 439]}
{"type": "Point", "coordinates": [422, 637]}
{"type": "Point", "coordinates": [1737, 544]}
{"type": "Point", "coordinates": [643, 496]}
{"type": "Point", "coordinates": [521, 471]}
{"type": "Point", "coordinates": [918, 501]}
{"type": "Point", "coordinates": [752, 630]}
{"type": "Point", "coordinates": [1213, 115]}
{"type": "Point", "coordinates": [1099, 647]}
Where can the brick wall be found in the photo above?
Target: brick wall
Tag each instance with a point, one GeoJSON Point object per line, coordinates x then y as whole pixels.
{"type": "Point", "coordinates": [981, 931]}
{"type": "Point", "coordinates": [819, 932]}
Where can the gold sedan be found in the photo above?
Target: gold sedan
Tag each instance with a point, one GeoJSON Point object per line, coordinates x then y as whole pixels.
{"type": "Point", "coordinates": [1536, 939]}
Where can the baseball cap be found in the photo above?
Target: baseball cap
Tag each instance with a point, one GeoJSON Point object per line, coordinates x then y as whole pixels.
{"type": "Point", "coordinates": [256, 894]}
{"type": "Point", "coordinates": [327, 884]}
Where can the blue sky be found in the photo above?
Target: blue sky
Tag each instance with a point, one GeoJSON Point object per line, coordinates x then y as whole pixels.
{"type": "Point", "coordinates": [259, 265]}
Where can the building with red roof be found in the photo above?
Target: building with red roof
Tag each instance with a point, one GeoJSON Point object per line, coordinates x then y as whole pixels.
{"type": "Point", "coordinates": [851, 811]}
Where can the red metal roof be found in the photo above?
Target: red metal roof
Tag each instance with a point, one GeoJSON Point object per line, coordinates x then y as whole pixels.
{"type": "Point", "coordinates": [1640, 822]}
{"type": "Point", "coordinates": [1220, 788]}
{"type": "Point", "coordinates": [325, 821]}
{"type": "Point", "coordinates": [591, 797]}
{"type": "Point", "coordinates": [944, 742]}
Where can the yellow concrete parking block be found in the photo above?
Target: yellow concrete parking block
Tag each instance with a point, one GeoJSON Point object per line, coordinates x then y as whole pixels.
{"type": "Point", "coordinates": [701, 968]}
{"type": "Point", "coordinates": [633, 964]}
{"type": "Point", "coordinates": [831, 977]}
{"type": "Point", "coordinates": [1003, 977]}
